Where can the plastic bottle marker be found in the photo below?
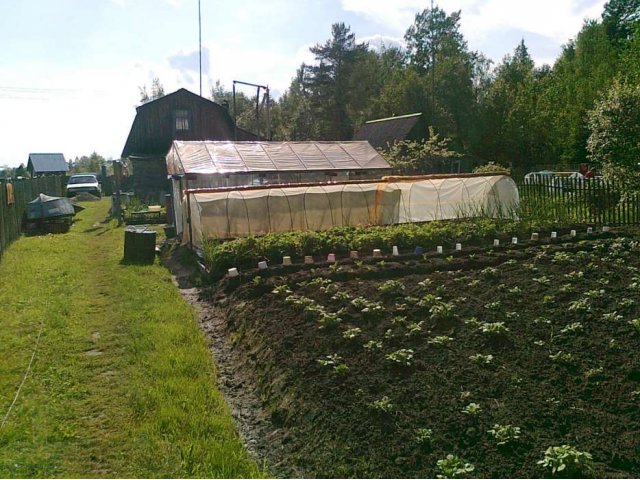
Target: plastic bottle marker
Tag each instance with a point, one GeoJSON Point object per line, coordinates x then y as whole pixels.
{"type": "Point", "coordinates": [573, 233]}
{"type": "Point", "coordinates": [233, 272]}
{"type": "Point", "coordinates": [331, 257]}
{"type": "Point", "coordinates": [439, 249]}
{"type": "Point", "coordinates": [377, 252]}
{"type": "Point", "coordinates": [262, 265]}
{"type": "Point", "coordinates": [418, 251]}
{"type": "Point", "coordinates": [308, 259]}
{"type": "Point", "coordinates": [534, 236]}
{"type": "Point", "coordinates": [554, 235]}
{"type": "Point", "coordinates": [458, 247]}
{"type": "Point", "coordinates": [496, 242]}
{"type": "Point", "coordinates": [395, 251]}
{"type": "Point", "coordinates": [353, 254]}
{"type": "Point", "coordinates": [514, 240]}
{"type": "Point", "coordinates": [286, 260]}
{"type": "Point", "coordinates": [605, 228]}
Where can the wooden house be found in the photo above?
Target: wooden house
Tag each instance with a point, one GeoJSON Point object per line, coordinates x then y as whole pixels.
{"type": "Point", "coordinates": [383, 132]}
{"type": "Point", "coordinates": [181, 115]}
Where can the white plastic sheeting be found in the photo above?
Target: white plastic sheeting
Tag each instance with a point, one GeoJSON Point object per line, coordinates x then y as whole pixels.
{"type": "Point", "coordinates": [211, 158]}
{"type": "Point", "coordinates": [237, 213]}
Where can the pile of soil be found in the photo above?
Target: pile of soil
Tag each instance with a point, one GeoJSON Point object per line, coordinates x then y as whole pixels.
{"type": "Point", "coordinates": [85, 197]}
{"type": "Point", "coordinates": [355, 397]}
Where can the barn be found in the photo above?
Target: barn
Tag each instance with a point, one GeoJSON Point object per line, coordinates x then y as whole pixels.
{"type": "Point", "coordinates": [181, 115]}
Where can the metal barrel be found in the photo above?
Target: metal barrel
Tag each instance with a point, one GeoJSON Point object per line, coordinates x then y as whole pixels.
{"type": "Point", "coordinates": [139, 245]}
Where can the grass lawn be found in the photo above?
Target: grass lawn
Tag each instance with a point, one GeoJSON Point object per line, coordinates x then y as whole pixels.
{"type": "Point", "coordinates": [122, 383]}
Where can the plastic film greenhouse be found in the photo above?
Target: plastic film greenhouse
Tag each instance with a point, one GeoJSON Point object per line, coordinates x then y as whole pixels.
{"type": "Point", "coordinates": [229, 213]}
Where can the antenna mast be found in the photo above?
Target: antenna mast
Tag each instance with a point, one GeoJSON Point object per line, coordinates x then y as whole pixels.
{"type": "Point", "coordinates": [200, 44]}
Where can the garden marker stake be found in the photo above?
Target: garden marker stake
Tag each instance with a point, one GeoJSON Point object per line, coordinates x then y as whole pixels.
{"type": "Point", "coordinates": [233, 272]}
{"type": "Point", "coordinates": [331, 257]}
{"type": "Point", "coordinates": [286, 260]}
{"type": "Point", "coordinates": [262, 265]}
{"type": "Point", "coordinates": [308, 259]}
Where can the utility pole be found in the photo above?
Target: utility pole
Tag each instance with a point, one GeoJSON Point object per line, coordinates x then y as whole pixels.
{"type": "Point", "coordinates": [433, 69]}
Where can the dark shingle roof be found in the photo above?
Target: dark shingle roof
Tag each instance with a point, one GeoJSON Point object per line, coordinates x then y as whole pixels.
{"type": "Point", "coordinates": [47, 162]}
{"type": "Point", "coordinates": [385, 131]}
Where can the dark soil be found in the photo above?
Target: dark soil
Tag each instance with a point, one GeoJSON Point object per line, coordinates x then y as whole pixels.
{"type": "Point", "coordinates": [568, 298]}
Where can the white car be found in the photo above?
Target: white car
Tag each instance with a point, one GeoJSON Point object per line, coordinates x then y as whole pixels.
{"type": "Point", "coordinates": [544, 176]}
{"type": "Point", "coordinates": [85, 182]}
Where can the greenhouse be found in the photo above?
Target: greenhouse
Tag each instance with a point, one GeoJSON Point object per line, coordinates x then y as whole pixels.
{"type": "Point", "coordinates": [228, 213]}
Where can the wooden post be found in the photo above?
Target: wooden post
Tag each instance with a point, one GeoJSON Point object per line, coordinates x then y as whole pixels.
{"type": "Point", "coordinates": [117, 170]}
{"type": "Point", "coordinates": [189, 212]}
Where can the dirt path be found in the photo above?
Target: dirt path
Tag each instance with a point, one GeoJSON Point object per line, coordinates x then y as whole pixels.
{"type": "Point", "coordinates": [236, 381]}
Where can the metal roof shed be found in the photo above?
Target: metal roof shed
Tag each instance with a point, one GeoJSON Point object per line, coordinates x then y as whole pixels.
{"type": "Point", "coordinates": [46, 163]}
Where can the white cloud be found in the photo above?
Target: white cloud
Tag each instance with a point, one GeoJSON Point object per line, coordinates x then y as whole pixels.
{"type": "Point", "coordinates": [379, 42]}
{"type": "Point", "coordinates": [483, 20]}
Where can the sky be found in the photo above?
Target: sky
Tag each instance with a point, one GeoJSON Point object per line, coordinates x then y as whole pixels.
{"type": "Point", "coordinates": [70, 70]}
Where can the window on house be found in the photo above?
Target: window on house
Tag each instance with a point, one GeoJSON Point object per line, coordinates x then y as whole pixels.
{"type": "Point", "coordinates": [181, 120]}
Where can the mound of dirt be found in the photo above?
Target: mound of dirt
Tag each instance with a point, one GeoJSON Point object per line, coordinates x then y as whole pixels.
{"type": "Point", "coordinates": [85, 197]}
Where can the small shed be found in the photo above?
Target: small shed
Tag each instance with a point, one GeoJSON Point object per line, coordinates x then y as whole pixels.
{"type": "Point", "coordinates": [47, 164]}
{"type": "Point", "coordinates": [211, 164]}
{"type": "Point", "coordinates": [383, 132]}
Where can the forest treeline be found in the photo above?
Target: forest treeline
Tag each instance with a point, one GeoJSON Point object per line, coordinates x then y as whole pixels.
{"type": "Point", "coordinates": [512, 112]}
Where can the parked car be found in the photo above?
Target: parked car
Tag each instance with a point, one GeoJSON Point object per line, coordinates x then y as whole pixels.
{"type": "Point", "coordinates": [543, 176]}
{"type": "Point", "coordinates": [85, 182]}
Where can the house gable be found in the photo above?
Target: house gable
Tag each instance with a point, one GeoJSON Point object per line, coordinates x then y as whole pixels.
{"type": "Point", "coordinates": [181, 115]}
{"type": "Point", "coordinates": [47, 163]}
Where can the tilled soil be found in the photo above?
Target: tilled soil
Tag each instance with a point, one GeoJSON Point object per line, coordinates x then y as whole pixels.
{"type": "Point", "coordinates": [348, 389]}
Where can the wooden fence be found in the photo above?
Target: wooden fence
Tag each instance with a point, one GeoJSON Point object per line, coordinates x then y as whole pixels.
{"type": "Point", "coordinates": [573, 200]}
{"type": "Point", "coordinates": [24, 190]}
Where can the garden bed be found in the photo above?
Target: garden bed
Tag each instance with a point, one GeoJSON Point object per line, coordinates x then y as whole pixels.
{"type": "Point", "coordinates": [381, 368]}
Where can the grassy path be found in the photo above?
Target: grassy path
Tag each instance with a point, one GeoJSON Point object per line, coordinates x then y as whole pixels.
{"type": "Point", "coordinates": [122, 384]}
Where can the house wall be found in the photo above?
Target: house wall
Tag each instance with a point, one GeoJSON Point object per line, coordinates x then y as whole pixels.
{"type": "Point", "coordinates": [153, 129]}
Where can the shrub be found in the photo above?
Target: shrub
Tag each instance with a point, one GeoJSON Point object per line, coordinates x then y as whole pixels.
{"type": "Point", "coordinates": [404, 357]}
{"type": "Point", "coordinates": [391, 288]}
{"type": "Point", "coordinates": [491, 167]}
{"type": "Point", "coordinates": [423, 436]}
{"type": "Point", "coordinates": [567, 460]}
{"type": "Point", "coordinates": [505, 434]}
{"type": "Point", "coordinates": [384, 405]}
{"type": "Point", "coordinates": [453, 467]}
{"type": "Point", "coordinates": [244, 253]}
